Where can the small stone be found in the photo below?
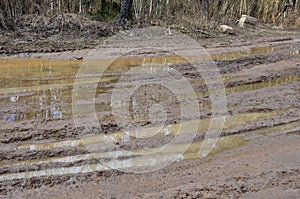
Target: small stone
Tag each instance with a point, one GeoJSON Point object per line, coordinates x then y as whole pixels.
{"type": "Point", "coordinates": [226, 29]}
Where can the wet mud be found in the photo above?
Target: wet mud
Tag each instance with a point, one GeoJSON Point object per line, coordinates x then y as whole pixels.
{"type": "Point", "coordinates": [44, 153]}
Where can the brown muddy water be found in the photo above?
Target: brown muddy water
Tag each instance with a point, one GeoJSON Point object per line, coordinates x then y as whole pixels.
{"type": "Point", "coordinates": [38, 89]}
{"type": "Point", "coordinates": [168, 130]}
{"type": "Point", "coordinates": [119, 159]}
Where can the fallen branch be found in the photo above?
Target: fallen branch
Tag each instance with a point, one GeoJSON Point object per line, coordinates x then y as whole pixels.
{"type": "Point", "coordinates": [202, 32]}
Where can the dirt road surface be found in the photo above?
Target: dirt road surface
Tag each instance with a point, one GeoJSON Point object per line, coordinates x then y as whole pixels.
{"type": "Point", "coordinates": [50, 147]}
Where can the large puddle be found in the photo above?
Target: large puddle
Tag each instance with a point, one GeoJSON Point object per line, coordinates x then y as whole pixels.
{"type": "Point", "coordinates": [128, 159]}
{"type": "Point", "coordinates": [39, 89]}
{"type": "Point", "coordinates": [168, 130]}
{"type": "Point", "coordinates": [120, 159]}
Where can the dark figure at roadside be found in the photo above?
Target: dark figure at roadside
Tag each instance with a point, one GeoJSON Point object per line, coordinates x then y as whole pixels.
{"type": "Point", "coordinates": [125, 11]}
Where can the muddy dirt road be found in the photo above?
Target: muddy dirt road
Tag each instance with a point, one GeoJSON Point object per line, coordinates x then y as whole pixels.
{"type": "Point", "coordinates": [66, 133]}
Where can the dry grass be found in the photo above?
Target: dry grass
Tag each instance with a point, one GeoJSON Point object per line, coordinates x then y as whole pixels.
{"type": "Point", "coordinates": [187, 12]}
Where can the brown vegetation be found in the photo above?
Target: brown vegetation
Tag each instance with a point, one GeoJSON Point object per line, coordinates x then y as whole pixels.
{"type": "Point", "coordinates": [39, 23]}
{"type": "Point", "coordinates": [191, 11]}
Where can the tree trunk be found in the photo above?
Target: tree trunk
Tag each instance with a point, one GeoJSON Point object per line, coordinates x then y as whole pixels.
{"type": "Point", "coordinates": [125, 11]}
{"type": "Point", "coordinates": [205, 4]}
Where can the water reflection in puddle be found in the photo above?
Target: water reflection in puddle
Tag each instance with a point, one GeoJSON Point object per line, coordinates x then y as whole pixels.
{"type": "Point", "coordinates": [280, 129]}
{"type": "Point", "coordinates": [33, 89]}
{"type": "Point", "coordinates": [260, 85]}
{"type": "Point", "coordinates": [295, 52]}
{"type": "Point", "coordinates": [128, 159]}
{"type": "Point", "coordinates": [254, 86]}
{"type": "Point", "coordinates": [41, 89]}
{"type": "Point", "coordinates": [240, 54]}
{"type": "Point", "coordinates": [296, 132]}
{"type": "Point", "coordinates": [121, 159]}
{"type": "Point", "coordinates": [57, 103]}
{"type": "Point", "coordinates": [168, 130]}
{"type": "Point", "coordinates": [135, 162]}
{"type": "Point", "coordinates": [46, 104]}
